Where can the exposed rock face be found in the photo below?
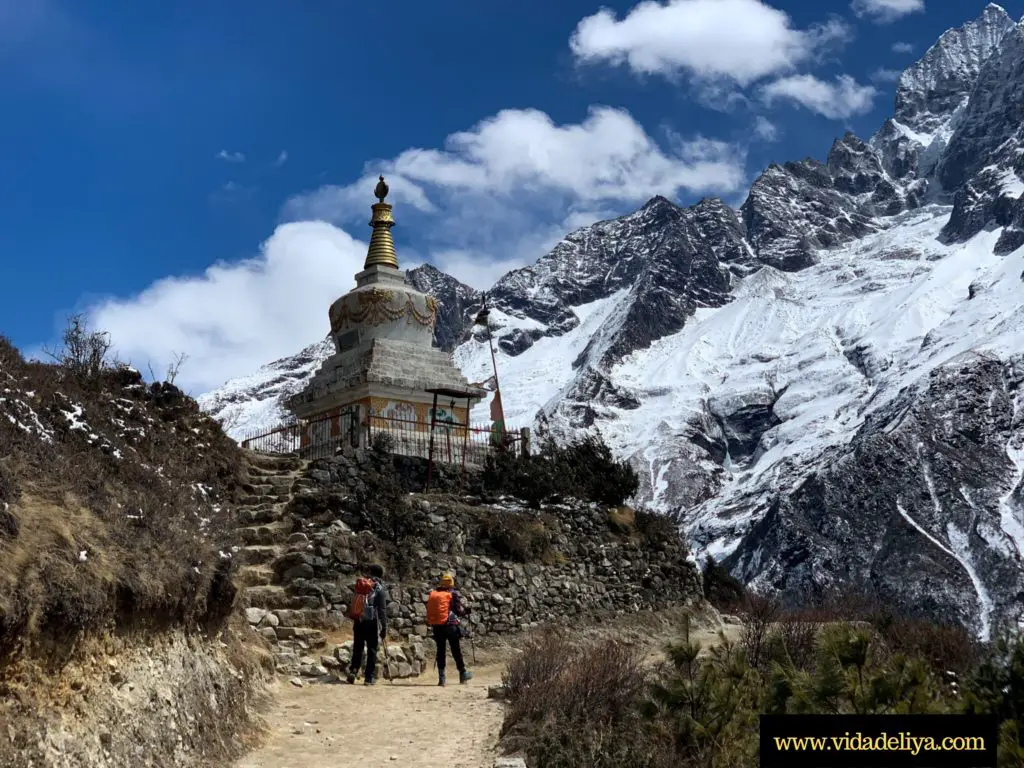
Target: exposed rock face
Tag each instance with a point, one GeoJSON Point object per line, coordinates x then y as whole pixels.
{"type": "Point", "coordinates": [176, 702]}
{"type": "Point", "coordinates": [931, 91]}
{"type": "Point", "coordinates": [458, 302]}
{"type": "Point", "coordinates": [984, 163]}
{"type": "Point", "coordinates": [736, 357]}
{"type": "Point", "coordinates": [923, 491]}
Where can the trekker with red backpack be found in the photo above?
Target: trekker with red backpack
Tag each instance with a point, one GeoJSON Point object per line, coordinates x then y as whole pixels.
{"type": "Point", "coordinates": [368, 612]}
{"type": "Point", "coordinates": [444, 608]}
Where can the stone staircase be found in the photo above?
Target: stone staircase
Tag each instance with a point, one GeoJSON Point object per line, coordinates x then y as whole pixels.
{"type": "Point", "coordinates": [282, 598]}
{"type": "Point", "coordinates": [294, 624]}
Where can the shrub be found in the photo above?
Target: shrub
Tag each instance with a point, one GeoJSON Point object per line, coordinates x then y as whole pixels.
{"type": "Point", "coordinates": [705, 708]}
{"type": "Point", "coordinates": [594, 474]}
{"type": "Point", "coordinates": [577, 704]}
{"type": "Point", "coordinates": [723, 590]}
{"type": "Point", "coordinates": [996, 687]}
{"type": "Point", "coordinates": [700, 708]}
{"type": "Point", "coordinates": [584, 468]}
{"type": "Point", "coordinates": [514, 537]}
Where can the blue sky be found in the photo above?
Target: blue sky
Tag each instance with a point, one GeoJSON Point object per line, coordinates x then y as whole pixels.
{"type": "Point", "coordinates": [197, 176]}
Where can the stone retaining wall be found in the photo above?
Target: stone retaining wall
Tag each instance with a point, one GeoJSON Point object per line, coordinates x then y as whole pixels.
{"type": "Point", "coordinates": [587, 568]}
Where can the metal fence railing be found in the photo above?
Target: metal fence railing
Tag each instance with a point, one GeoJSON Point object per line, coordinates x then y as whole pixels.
{"type": "Point", "coordinates": [452, 444]}
{"type": "Point", "coordinates": [308, 439]}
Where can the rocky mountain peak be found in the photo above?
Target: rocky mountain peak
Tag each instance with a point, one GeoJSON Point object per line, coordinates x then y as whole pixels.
{"type": "Point", "coordinates": [935, 87]}
{"type": "Point", "coordinates": [456, 301]}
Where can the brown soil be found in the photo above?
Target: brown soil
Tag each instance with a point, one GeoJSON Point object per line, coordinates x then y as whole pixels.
{"type": "Point", "coordinates": [410, 723]}
{"type": "Point", "coordinates": [417, 724]}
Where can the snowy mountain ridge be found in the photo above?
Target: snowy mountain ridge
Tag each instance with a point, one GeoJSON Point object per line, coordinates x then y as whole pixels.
{"type": "Point", "coordinates": [829, 380]}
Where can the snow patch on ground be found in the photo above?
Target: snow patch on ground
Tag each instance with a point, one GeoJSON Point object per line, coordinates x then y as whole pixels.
{"type": "Point", "coordinates": [962, 552]}
{"type": "Point", "coordinates": [1011, 511]}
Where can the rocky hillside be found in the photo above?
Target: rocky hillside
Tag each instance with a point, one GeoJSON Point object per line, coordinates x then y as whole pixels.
{"type": "Point", "coordinates": [827, 381]}
{"type": "Point", "coordinates": [116, 571]}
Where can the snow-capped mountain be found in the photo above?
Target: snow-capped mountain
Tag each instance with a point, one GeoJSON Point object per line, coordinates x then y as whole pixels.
{"type": "Point", "coordinates": [829, 381]}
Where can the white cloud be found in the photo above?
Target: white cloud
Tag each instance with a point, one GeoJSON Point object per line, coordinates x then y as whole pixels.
{"type": "Point", "coordinates": [281, 158]}
{"type": "Point", "coordinates": [493, 198]}
{"type": "Point", "coordinates": [900, 47]}
{"type": "Point", "coordinates": [230, 157]}
{"type": "Point", "coordinates": [521, 153]}
{"type": "Point", "coordinates": [886, 75]}
{"type": "Point", "coordinates": [837, 101]}
{"type": "Point", "coordinates": [235, 317]}
{"type": "Point", "coordinates": [737, 40]}
{"type": "Point", "coordinates": [885, 11]}
{"type": "Point", "coordinates": [765, 129]}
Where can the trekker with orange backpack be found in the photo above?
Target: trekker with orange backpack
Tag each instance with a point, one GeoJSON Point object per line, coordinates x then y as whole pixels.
{"type": "Point", "coordinates": [444, 608]}
{"type": "Point", "coordinates": [369, 614]}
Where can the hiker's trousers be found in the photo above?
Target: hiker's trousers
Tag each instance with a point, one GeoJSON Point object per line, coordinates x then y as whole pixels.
{"type": "Point", "coordinates": [448, 634]}
{"type": "Point", "coordinates": [364, 634]}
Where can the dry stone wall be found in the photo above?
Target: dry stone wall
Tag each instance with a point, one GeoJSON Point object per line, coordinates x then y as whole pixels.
{"type": "Point", "coordinates": [581, 565]}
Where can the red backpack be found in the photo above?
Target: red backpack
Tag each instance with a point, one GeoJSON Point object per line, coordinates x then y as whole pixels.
{"type": "Point", "coordinates": [362, 606]}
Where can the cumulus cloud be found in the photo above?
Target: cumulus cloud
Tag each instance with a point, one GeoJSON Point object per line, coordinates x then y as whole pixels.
{"type": "Point", "coordinates": [235, 317]}
{"type": "Point", "coordinates": [281, 158]}
{"type": "Point", "coordinates": [885, 11]}
{"type": "Point", "coordinates": [838, 100]}
{"type": "Point", "coordinates": [736, 40]}
{"type": "Point", "coordinates": [230, 157]}
{"type": "Point", "coordinates": [606, 157]}
{"type": "Point", "coordinates": [901, 47]}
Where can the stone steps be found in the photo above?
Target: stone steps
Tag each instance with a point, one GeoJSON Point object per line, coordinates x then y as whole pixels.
{"type": "Point", "coordinates": [275, 597]}
{"type": "Point", "coordinates": [255, 500]}
{"type": "Point", "coordinates": [264, 535]}
{"type": "Point", "coordinates": [265, 513]}
{"type": "Point", "coordinates": [260, 554]}
{"type": "Point", "coordinates": [255, 575]}
{"type": "Point", "coordinates": [275, 462]}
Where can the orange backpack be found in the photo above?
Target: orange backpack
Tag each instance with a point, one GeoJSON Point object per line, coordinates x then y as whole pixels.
{"type": "Point", "coordinates": [439, 607]}
{"type": "Point", "coordinates": [357, 610]}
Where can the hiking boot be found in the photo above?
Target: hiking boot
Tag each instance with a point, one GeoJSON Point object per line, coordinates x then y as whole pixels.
{"type": "Point", "coordinates": [465, 676]}
{"type": "Point", "coordinates": [351, 679]}
{"type": "Point", "coordinates": [440, 678]}
{"type": "Point", "coordinates": [370, 681]}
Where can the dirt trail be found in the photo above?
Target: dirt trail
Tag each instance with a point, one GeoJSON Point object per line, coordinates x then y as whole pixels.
{"type": "Point", "coordinates": [412, 723]}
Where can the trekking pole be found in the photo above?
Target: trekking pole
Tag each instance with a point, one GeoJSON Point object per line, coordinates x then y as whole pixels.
{"type": "Point", "coordinates": [472, 647]}
{"type": "Point", "coordinates": [387, 660]}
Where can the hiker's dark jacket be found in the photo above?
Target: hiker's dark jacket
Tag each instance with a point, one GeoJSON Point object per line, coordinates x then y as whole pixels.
{"type": "Point", "coordinates": [380, 602]}
{"type": "Point", "coordinates": [455, 610]}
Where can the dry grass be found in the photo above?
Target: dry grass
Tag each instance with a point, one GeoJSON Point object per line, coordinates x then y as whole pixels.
{"type": "Point", "coordinates": [622, 520]}
{"type": "Point", "coordinates": [132, 475]}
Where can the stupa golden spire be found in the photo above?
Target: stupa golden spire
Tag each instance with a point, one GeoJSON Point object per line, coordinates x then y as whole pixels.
{"type": "Point", "coordinates": [382, 248]}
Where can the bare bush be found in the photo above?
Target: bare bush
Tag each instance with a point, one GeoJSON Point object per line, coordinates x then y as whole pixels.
{"type": "Point", "coordinates": [759, 617]}
{"type": "Point", "coordinates": [577, 704]}
{"type": "Point", "coordinates": [84, 351]}
{"type": "Point", "coordinates": [174, 367]}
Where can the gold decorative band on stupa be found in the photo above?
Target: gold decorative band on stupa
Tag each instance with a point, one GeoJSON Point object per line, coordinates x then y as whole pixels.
{"type": "Point", "coordinates": [382, 247]}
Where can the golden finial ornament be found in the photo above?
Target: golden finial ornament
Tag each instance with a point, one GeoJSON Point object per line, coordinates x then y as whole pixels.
{"type": "Point", "coordinates": [382, 247]}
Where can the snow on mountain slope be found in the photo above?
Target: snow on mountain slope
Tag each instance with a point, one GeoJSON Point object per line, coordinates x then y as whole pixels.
{"type": "Point", "coordinates": [255, 403]}
{"type": "Point", "coordinates": [533, 380]}
{"type": "Point", "coordinates": [827, 382]}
